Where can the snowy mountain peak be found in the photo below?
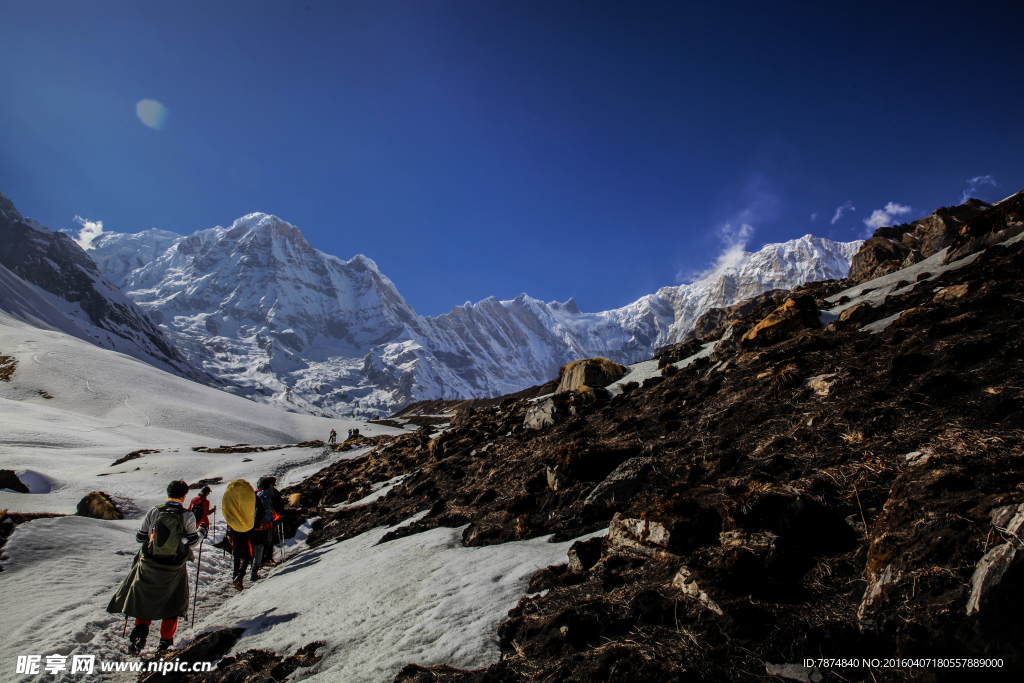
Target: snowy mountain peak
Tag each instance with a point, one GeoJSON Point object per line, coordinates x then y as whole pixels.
{"type": "Point", "coordinates": [287, 324]}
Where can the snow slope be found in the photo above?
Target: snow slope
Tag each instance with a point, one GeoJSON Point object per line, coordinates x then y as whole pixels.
{"type": "Point", "coordinates": [255, 304]}
{"type": "Point", "coordinates": [422, 598]}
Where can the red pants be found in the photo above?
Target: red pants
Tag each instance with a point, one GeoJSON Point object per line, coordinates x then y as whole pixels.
{"type": "Point", "coordinates": [167, 627]}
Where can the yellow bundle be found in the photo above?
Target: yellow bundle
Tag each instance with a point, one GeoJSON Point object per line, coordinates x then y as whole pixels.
{"type": "Point", "coordinates": [239, 505]}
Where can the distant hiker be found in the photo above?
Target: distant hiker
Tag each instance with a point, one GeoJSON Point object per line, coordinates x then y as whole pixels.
{"type": "Point", "coordinates": [263, 533]}
{"type": "Point", "coordinates": [200, 507]}
{"type": "Point", "coordinates": [334, 438]}
{"type": "Point", "coordinates": [241, 510]}
{"type": "Point", "coordinates": [350, 433]}
{"type": "Point", "coordinates": [157, 584]}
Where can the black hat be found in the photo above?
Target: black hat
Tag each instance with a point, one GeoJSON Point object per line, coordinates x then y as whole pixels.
{"type": "Point", "coordinates": [266, 482]}
{"type": "Point", "coordinates": [205, 489]}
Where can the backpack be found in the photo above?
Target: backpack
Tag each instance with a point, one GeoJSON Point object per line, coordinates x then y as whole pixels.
{"type": "Point", "coordinates": [266, 497]}
{"type": "Point", "coordinates": [168, 530]}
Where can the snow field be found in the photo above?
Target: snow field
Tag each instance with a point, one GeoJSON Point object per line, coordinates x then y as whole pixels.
{"type": "Point", "coordinates": [423, 598]}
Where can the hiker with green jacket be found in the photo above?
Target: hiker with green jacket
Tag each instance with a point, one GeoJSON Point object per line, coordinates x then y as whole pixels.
{"type": "Point", "coordinates": [157, 585]}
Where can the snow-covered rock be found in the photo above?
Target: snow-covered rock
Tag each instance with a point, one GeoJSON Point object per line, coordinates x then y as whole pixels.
{"type": "Point", "coordinates": [256, 305]}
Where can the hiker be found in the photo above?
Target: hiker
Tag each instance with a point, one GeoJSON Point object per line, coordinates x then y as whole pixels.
{"type": "Point", "coordinates": [273, 508]}
{"type": "Point", "coordinates": [200, 507]}
{"type": "Point", "coordinates": [241, 509]}
{"type": "Point", "coordinates": [334, 438]}
{"type": "Point", "coordinates": [157, 585]}
{"type": "Point", "coordinates": [350, 433]}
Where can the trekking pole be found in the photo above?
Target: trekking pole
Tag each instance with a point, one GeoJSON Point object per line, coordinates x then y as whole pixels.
{"type": "Point", "coordinates": [215, 527]}
{"type": "Point", "coordinates": [124, 631]}
{"type": "Point", "coordinates": [199, 565]}
{"type": "Point", "coordinates": [280, 531]}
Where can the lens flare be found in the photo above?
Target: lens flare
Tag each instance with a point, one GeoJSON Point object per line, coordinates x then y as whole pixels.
{"type": "Point", "coordinates": [153, 114]}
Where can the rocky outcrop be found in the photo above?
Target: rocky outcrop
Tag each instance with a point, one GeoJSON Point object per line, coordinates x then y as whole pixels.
{"type": "Point", "coordinates": [546, 412]}
{"type": "Point", "coordinates": [892, 248]}
{"type": "Point", "coordinates": [993, 626]}
{"type": "Point", "coordinates": [98, 505]}
{"type": "Point", "coordinates": [798, 313]}
{"type": "Point", "coordinates": [1004, 221]}
{"type": "Point", "coordinates": [621, 484]}
{"type": "Point", "coordinates": [717, 318]}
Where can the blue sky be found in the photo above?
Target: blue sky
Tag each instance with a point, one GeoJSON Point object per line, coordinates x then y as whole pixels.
{"type": "Point", "coordinates": [566, 149]}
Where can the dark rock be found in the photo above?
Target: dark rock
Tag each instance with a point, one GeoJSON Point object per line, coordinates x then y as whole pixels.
{"type": "Point", "coordinates": [621, 484]}
{"type": "Point", "coordinates": [585, 554]}
{"type": "Point", "coordinates": [9, 480]}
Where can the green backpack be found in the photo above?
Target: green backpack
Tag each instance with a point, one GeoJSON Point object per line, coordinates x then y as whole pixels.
{"type": "Point", "coordinates": [168, 530]}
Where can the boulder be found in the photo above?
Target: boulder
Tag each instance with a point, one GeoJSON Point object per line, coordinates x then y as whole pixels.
{"type": "Point", "coordinates": [98, 505]}
{"type": "Point", "coordinates": [632, 536]}
{"type": "Point", "coordinates": [949, 295]}
{"type": "Point", "coordinates": [855, 313]}
{"type": "Point", "coordinates": [9, 480]}
{"type": "Point", "coordinates": [621, 484]}
{"type": "Point", "coordinates": [585, 554]}
{"type": "Point", "coordinates": [545, 413]}
{"type": "Point", "coordinates": [799, 312]}
{"type": "Point", "coordinates": [590, 372]}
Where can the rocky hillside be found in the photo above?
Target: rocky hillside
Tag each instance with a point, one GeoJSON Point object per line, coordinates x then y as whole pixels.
{"type": "Point", "coordinates": [258, 306]}
{"type": "Point", "coordinates": [840, 484]}
{"type": "Point", "coordinates": [71, 282]}
{"type": "Point", "coordinates": [897, 246]}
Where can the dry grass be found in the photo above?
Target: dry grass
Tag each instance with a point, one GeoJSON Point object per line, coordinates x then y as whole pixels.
{"type": "Point", "coordinates": [852, 437]}
{"type": "Point", "coordinates": [786, 375]}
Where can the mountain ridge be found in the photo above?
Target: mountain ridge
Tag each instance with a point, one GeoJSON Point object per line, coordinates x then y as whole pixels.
{"type": "Point", "coordinates": [257, 305]}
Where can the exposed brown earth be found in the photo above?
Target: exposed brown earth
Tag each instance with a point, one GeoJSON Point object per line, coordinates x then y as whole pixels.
{"type": "Point", "coordinates": [8, 364]}
{"type": "Point", "coordinates": [134, 455]}
{"type": "Point", "coordinates": [246, 448]}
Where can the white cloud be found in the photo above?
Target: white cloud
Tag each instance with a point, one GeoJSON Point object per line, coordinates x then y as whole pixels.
{"type": "Point", "coordinates": [735, 241]}
{"type": "Point", "coordinates": [974, 183]}
{"type": "Point", "coordinates": [848, 206]}
{"type": "Point", "coordinates": [814, 217]}
{"type": "Point", "coordinates": [90, 230]}
{"type": "Point", "coordinates": [886, 216]}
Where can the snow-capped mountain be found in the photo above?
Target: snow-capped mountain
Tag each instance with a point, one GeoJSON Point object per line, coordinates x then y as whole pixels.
{"type": "Point", "coordinates": [70, 282]}
{"type": "Point", "coordinates": [256, 305]}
